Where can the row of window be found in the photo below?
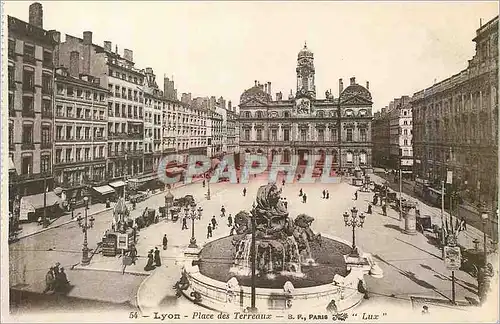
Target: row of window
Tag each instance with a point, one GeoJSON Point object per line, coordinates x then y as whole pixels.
{"type": "Point", "coordinates": [80, 112]}
{"type": "Point", "coordinates": [125, 93]}
{"type": "Point", "coordinates": [75, 92]}
{"type": "Point", "coordinates": [27, 163]}
{"type": "Point", "coordinates": [124, 147]}
{"type": "Point", "coordinates": [28, 133]}
{"type": "Point", "coordinates": [29, 52]}
{"type": "Point", "coordinates": [80, 154]}
{"type": "Point", "coordinates": [304, 135]}
{"type": "Point", "coordinates": [79, 177]}
{"type": "Point", "coordinates": [28, 80]}
{"type": "Point", "coordinates": [69, 132]}
{"type": "Point", "coordinates": [127, 77]}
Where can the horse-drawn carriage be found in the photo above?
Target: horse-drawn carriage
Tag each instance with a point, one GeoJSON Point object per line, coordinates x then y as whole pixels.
{"type": "Point", "coordinates": [147, 218]}
{"type": "Point", "coordinates": [186, 201]}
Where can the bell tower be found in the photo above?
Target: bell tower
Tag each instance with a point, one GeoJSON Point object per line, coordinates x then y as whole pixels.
{"type": "Point", "coordinates": [305, 73]}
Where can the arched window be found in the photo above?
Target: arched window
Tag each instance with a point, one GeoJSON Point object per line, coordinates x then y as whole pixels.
{"type": "Point", "coordinates": [259, 114]}
{"type": "Point", "coordinates": [349, 157]}
{"type": "Point", "coordinates": [247, 114]}
{"type": "Point", "coordinates": [287, 114]}
{"type": "Point", "coordinates": [320, 114]}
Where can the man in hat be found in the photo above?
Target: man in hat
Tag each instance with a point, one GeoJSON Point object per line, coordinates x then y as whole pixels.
{"type": "Point", "coordinates": [157, 257]}
{"type": "Point", "coordinates": [165, 241]}
{"type": "Point", "coordinates": [214, 222]}
{"type": "Point", "coordinates": [184, 223]}
{"type": "Point", "coordinates": [49, 280]}
{"type": "Point", "coordinates": [209, 231]}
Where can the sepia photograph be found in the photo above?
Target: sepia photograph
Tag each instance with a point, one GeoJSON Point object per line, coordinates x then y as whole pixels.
{"type": "Point", "coordinates": [249, 161]}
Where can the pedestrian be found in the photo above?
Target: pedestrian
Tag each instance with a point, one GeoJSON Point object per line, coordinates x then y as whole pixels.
{"type": "Point", "coordinates": [150, 264]}
{"type": "Point", "coordinates": [56, 269]}
{"type": "Point", "coordinates": [209, 231]}
{"type": "Point", "coordinates": [231, 232]}
{"type": "Point", "coordinates": [369, 209]}
{"type": "Point", "coordinates": [133, 203]}
{"type": "Point", "coordinates": [425, 310]}
{"type": "Point", "coordinates": [356, 195]}
{"type": "Point", "coordinates": [375, 200]}
{"type": "Point", "coordinates": [244, 192]}
{"type": "Point", "coordinates": [165, 242]}
{"type": "Point", "coordinates": [229, 221]}
{"type": "Point", "coordinates": [384, 209]}
{"type": "Point", "coordinates": [301, 192]}
{"type": "Point", "coordinates": [61, 281]}
{"type": "Point", "coordinates": [184, 223]}
{"type": "Point", "coordinates": [133, 254]}
{"type": "Point", "coordinates": [285, 202]}
{"type": "Point", "coordinates": [203, 183]}
{"type": "Point", "coordinates": [157, 257]}
{"type": "Point", "coordinates": [222, 211]}
{"type": "Point", "coordinates": [283, 182]}
{"type": "Point", "coordinates": [49, 280]}
{"type": "Point", "coordinates": [304, 198]}
{"type": "Point", "coordinates": [214, 222]}
{"type": "Point", "coordinates": [332, 307]}
{"type": "Point", "coordinates": [108, 204]}
{"type": "Point", "coordinates": [324, 193]}
{"type": "Point", "coordinates": [327, 194]}
{"type": "Point", "coordinates": [464, 224]}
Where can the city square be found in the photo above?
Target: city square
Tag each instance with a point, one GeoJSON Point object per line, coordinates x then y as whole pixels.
{"type": "Point", "coordinates": [291, 202]}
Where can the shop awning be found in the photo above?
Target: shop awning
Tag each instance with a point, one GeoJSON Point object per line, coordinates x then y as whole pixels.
{"type": "Point", "coordinates": [104, 190]}
{"type": "Point", "coordinates": [117, 184]}
{"type": "Point", "coordinates": [36, 201]}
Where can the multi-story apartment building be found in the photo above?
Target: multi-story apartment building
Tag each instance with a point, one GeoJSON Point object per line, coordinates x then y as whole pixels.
{"type": "Point", "coordinates": [231, 126]}
{"type": "Point", "coordinates": [222, 111]}
{"type": "Point", "coordinates": [80, 131]}
{"type": "Point", "coordinates": [191, 130]}
{"type": "Point", "coordinates": [381, 138]}
{"type": "Point", "coordinates": [214, 147]}
{"type": "Point", "coordinates": [30, 91]}
{"type": "Point", "coordinates": [304, 125]}
{"type": "Point", "coordinates": [119, 75]}
{"type": "Point", "coordinates": [400, 132]}
{"type": "Point", "coordinates": [154, 106]}
{"type": "Point", "coordinates": [455, 124]}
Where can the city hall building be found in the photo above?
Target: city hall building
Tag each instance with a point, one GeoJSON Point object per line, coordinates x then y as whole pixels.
{"type": "Point", "coordinates": [305, 125]}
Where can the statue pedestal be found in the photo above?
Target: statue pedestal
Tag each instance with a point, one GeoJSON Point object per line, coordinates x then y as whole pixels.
{"type": "Point", "coordinates": [410, 218]}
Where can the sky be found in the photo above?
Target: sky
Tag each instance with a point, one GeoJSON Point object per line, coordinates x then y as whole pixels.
{"type": "Point", "coordinates": [220, 48]}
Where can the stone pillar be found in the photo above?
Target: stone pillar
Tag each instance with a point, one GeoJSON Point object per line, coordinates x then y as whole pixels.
{"type": "Point", "coordinates": [410, 217]}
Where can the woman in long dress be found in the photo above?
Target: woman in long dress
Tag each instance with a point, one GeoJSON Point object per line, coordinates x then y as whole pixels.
{"type": "Point", "coordinates": [157, 257]}
{"type": "Point", "coordinates": [149, 266]}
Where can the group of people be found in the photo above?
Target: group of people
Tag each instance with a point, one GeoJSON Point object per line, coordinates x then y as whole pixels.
{"type": "Point", "coordinates": [154, 259]}
{"type": "Point", "coordinates": [56, 279]}
{"type": "Point", "coordinates": [326, 194]}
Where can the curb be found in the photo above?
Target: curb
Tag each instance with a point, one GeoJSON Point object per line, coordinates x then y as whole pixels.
{"type": "Point", "coordinates": [134, 273]}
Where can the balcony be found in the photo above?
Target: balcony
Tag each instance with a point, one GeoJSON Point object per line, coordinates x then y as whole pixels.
{"type": "Point", "coordinates": [28, 113]}
{"type": "Point", "coordinates": [47, 114]}
{"type": "Point", "coordinates": [30, 59]}
{"type": "Point", "coordinates": [27, 146]}
{"type": "Point", "coordinates": [113, 136]}
{"type": "Point", "coordinates": [99, 138]}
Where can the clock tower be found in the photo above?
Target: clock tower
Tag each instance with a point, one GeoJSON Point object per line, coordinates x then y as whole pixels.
{"type": "Point", "coordinates": [305, 74]}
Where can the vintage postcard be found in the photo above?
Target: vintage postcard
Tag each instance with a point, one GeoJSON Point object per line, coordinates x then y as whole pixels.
{"type": "Point", "coordinates": [250, 162]}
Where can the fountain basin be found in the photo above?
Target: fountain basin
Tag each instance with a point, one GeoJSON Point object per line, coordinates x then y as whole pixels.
{"type": "Point", "coordinates": [333, 277]}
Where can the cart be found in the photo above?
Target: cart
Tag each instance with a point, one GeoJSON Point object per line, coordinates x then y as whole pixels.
{"type": "Point", "coordinates": [424, 224]}
{"type": "Point", "coordinates": [174, 212]}
{"type": "Point", "coordinates": [472, 260]}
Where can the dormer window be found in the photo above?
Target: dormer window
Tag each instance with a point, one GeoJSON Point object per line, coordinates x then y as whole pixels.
{"type": "Point", "coordinates": [348, 113]}
{"type": "Point", "coordinates": [362, 112]}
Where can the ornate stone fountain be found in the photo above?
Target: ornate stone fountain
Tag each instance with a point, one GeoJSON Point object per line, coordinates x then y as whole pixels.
{"type": "Point", "coordinates": [294, 266]}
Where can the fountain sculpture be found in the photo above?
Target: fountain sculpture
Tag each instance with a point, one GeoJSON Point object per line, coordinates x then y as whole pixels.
{"type": "Point", "coordinates": [282, 245]}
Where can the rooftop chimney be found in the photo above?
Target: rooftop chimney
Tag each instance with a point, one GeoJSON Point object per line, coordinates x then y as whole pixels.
{"type": "Point", "coordinates": [341, 86]}
{"type": "Point", "coordinates": [36, 15]}
{"type": "Point", "coordinates": [265, 88]}
{"type": "Point", "coordinates": [87, 38]}
{"type": "Point", "coordinates": [279, 95]}
{"type": "Point", "coordinates": [269, 88]}
{"type": "Point", "coordinates": [74, 64]}
{"type": "Point", "coordinates": [368, 85]}
{"type": "Point", "coordinates": [353, 80]}
{"type": "Point", "coordinates": [128, 55]}
{"type": "Point", "coordinates": [116, 49]}
{"type": "Point", "coordinates": [107, 46]}
{"type": "Point", "coordinates": [255, 82]}
{"type": "Point", "coordinates": [56, 35]}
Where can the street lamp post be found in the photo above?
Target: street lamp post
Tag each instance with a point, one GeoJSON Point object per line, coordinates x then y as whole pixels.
{"type": "Point", "coordinates": [169, 199]}
{"type": "Point", "coordinates": [253, 309]}
{"type": "Point", "coordinates": [193, 213]}
{"type": "Point", "coordinates": [85, 226]}
{"type": "Point", "coordinates": [208, 188]}
{"type": "Point", "coordinates": [354, 222]}
{"type": "Point", "coordinates": [484, 218]}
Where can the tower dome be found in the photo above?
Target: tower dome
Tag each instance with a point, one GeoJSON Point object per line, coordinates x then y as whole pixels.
{"type": "Point", "coordinates": [305, 52]}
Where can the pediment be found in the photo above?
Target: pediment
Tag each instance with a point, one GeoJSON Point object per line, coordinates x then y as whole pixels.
{"type": "Point", "coordinates": [254, 102]}
{"type": "Point", "coordinates": [356, 100]}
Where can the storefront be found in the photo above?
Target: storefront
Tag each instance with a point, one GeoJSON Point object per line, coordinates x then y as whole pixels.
{"type": "Point", "coordinates": [118, 186]}
{"type": "Point", "coordinates": [33, 206]}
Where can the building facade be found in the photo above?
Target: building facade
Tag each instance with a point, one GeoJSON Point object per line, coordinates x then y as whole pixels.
{"type": "Point", "coordinates": [455, 124]}
{"type": "Point", "coordinates": [304, 125]}
{"type": "Point", "coordinates": [381, 138]}
{"type": "Point", "coordinates": [30, 101]}
{"type": "Point", "coordinates": [80, 131]}
{"type": "Point", "coordinates": [400, 136]}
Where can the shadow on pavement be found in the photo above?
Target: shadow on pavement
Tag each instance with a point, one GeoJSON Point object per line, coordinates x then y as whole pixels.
{"type": "Point", "coordinates": [410, 275]}
{"type": "Point", "coordinates": [468, 286]}
{"type": "Point", "coordinates": [416, 247]}
{"type": "Point", "coordinates": [394, 227]}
